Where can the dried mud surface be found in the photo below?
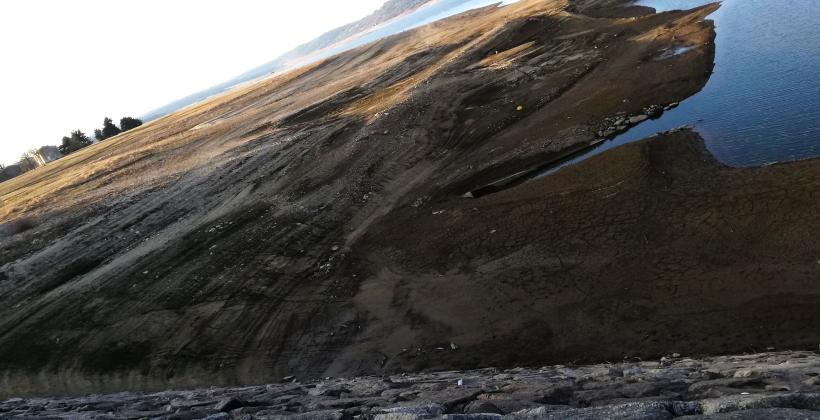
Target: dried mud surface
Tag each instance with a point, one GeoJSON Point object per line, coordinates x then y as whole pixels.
{"type": "Point", "coordinates": [313, 224]}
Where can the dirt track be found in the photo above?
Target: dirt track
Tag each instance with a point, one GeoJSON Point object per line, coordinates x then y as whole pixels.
{"type": "Point", "coordinates": [295, 226]}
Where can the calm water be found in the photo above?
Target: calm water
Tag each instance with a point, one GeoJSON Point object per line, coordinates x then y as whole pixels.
{"type": "Point", "coordinates": [762, 104]}
{"type": "Point", "coordinates": [422, 16]}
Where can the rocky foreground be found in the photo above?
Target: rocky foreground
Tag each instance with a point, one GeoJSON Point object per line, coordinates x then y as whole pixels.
{"type": "Point", "coordinates": [781, 385]}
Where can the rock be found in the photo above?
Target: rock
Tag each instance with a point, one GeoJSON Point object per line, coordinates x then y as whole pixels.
{"type": "Point", "coordinates": [317, 415]}
{"type": "Point", "coordinates": [192, 415]}
{"type": "Point", "coordinates": [426, 411]}
{"type": "Point", "coordinates": [651, 410]}
{"type": "Point", "coordinates": [143, 406]}
{"type": "Point", "coordinates": [672, 105]}
{"type": "Point", "coordinates": [723, 386]}
{"type": "Point", "coordinates": [558, 394]}
{"type": "Point", "coordinates": [748, 402]}
{"type": "Point", "coordinates": [283, 399]}
{"type": "Point", "coordinates": [685, 408]}
{"type": "Point", "coordinates": [480, 406]}
{"type": "Point", "coordinates": [328, 392]}
{"type": "Point", "coordinates": [507, 406]}
{"type": "Point", "coordinates": [229, 404]}
{"type": "Point", "coordinates": [638, 119]}
{"type": "Point", "coordinates": [540, 411]}
{"type": "Point", "coordinates": [653, 111]}
{"type": "Point", "coordinates": [344, 403]}
{"type": "Point", "coordinates": [761, 414]}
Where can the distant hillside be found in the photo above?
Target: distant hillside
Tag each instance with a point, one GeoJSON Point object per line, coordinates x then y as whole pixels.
{"type": "Point", "coordinates": [390, 10]}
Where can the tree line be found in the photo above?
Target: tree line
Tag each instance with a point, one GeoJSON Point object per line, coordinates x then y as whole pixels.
{"type": "Point", "coordinates": [70, 144]}
{"type": "Point", "coordinates": [77, 140]}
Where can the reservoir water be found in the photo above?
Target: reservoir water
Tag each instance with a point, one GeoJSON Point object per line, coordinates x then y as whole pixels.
{"type": "Point", "coordinates": [437, 10]}
{"type": "Point", "coordinates": [762, 104]}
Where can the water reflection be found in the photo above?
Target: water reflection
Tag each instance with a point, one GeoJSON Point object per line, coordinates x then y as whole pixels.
{"type": "Point", "coordinates": [762, 104]}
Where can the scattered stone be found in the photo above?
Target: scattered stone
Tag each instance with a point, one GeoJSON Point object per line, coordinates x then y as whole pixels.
{"type": "Point", "coordinates": [476, 407]}
{"type": "Point", "coordinates": [747, 402]}
{"type": "Point", "coordinates": [768, 385]}
{"type": "Point", "coordinates": [653, 111]}
{"type": "Point", "coordinates": [229, 404]}
{"type": "Point", "coordinates": [411, 412]}
{"type": "Point", "coordinates": [328, 392]}
{"type": "Point", "coordinates": [638, 119]}
{"type": "Point", "coordinates": [670, 106]}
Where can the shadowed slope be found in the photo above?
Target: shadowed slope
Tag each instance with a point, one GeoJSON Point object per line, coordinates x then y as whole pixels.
{"type": "Point", "coordinates": [241, 238]}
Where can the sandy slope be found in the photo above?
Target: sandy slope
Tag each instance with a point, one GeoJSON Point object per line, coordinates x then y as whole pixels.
{"type": "Point", "coordinates": [314, 222]}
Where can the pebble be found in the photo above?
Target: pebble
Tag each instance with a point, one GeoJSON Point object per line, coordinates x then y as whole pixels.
{"type": "Point", "coordinates": [638, 119]}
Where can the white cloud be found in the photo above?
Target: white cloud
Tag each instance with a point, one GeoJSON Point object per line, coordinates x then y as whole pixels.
{"type": "Point", "coordinates": [68, 64]}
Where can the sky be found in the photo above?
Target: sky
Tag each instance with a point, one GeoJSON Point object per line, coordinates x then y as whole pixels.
{"type": "Point", "coordinates": [66, 65]}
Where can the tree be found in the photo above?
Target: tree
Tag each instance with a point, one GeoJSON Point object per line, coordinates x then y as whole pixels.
{"type": "Point", "coordinates": [98, 135]}
{"type": "Point", "coordinates": [128, 123]}
{"type": "Point", "coordinates": [109, 129]}
{"type": "Point", "coordinates": [29, 161]}
{"type": "Point", "coordinates": [77, 141]}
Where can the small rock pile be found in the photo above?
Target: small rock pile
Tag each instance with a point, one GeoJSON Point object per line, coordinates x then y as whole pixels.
{"type": "Point", "coordinates": [618, 124]}
{"type": "Point", "coordinates": [766, 386]}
